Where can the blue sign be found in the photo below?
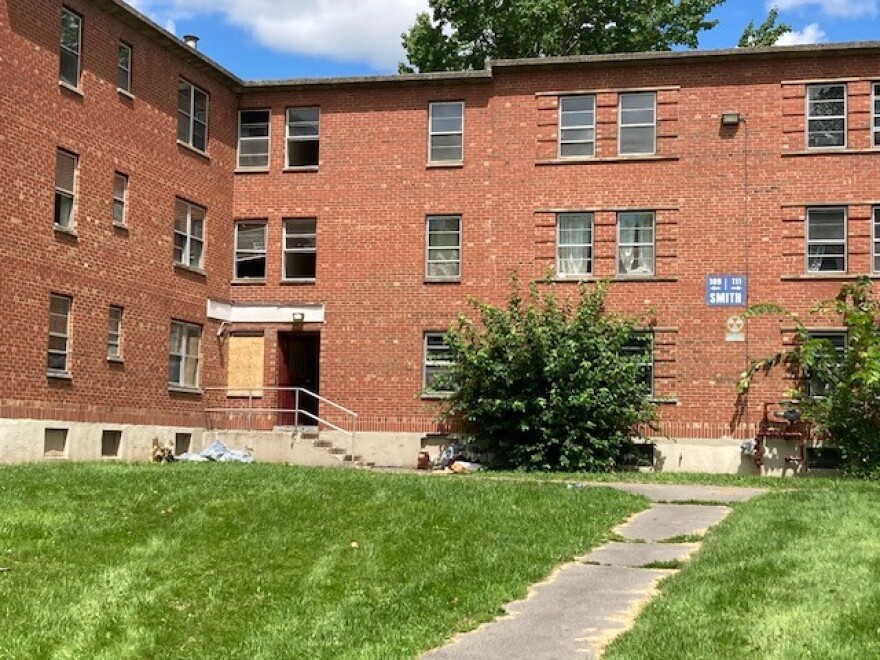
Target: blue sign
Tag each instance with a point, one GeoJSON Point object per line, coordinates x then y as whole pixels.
{"type": "Point", "coordinates": [726, 290]}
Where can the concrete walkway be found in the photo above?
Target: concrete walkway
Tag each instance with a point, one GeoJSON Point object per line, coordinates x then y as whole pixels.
{"type": "Point", "coordinates": [584, 605]}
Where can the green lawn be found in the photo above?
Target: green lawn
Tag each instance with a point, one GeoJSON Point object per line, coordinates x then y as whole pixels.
{"type": "Point", "coordinates": [260, 561]}
{"type": "Point", "coordinates": [790, 575]}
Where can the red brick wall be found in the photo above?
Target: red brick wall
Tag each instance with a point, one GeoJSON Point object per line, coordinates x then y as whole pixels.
{"type": "Point", "coordinates": [370, 196]}
{"type": "Point", "coordinates": [373, 191]}
{"type": "Point", "coordinates": [102, 265]}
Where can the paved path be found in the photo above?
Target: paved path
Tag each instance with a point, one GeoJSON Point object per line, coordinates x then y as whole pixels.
{"type": "Point", "coordinates": [587, 603]}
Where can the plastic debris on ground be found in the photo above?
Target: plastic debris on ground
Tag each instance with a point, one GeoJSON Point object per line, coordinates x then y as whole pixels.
{"type": "Point", "coordinates": [219, 453]}
{"type": "Point", "coordinates": [464, 467]}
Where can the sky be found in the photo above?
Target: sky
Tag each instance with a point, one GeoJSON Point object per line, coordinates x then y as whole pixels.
{"type": "Point", "coordinates": [265, 39]}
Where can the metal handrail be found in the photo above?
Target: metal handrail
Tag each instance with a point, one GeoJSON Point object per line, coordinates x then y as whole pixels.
{"type": "Point", "coordinates": [296, 410]}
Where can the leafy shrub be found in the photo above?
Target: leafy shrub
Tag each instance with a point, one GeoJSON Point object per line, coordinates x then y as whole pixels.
{"type": "Point", "coordinates": [545, 385]}
{"type": "Point", "coordinates": [847, 412]}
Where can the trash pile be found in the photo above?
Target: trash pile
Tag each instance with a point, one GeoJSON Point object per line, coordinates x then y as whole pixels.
{"type": "Point", "coordinates": [452, 459]}
{"type": "Point", "coordinates": [219, 453]}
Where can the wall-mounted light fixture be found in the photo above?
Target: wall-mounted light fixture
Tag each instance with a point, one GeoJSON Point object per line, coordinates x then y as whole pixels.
{"type": "Point", "coordinates": [730, 118]}
{"type": "Point", "coordinates": [298, 318]}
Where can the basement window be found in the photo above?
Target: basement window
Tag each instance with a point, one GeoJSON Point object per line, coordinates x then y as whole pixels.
{"type": "Point", "coordinates": [110, 443]}
{"type": "Point", "coordinates": [182, 443]}
{"type": "Point", "coordinates": [55, 443]}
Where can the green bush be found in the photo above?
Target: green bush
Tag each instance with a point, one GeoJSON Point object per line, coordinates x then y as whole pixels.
{"type": "Point", "coordinates": [543, 385]}
{"type": "Point", "coordinates": [846, 413]}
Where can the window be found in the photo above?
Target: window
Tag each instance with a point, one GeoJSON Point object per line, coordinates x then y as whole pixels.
{"type": "Point", "coordinates": [192, 115]}
{"type": "Point", "coordinates": [826, 116]}
{"type": "Point", "coordinates": [577, 126]}
{"type": "Point", "coordinates": [574, 245]}
{"type": "Point", "coordinates": [71, 41]}
{"type": "Point", "coordinates": [816, 385]}
{"type": "Point", "coordinates": [876, 250]}
{"type": "Point", "coordinates": [300, 252]}
{"type": "Point", "coordinates": [250, 251]}
{"type": "Point", "coordinates": [826, 240]}
{"type": "Point", "coordinates": [443, 258]}
{"type": "Point", "coordinates": [114, 334]}
{"type": "Point", "coordinates": [303, 137]}
{"type": "Point", "coordinates": [120, 196]}
{"type": "Point", "coordinates": [182, 443]}
{"type": "Point", "coordinates": [635, 243]}
{"type": "Point", "coordinates": [438, 361]}
{"type": "Point", "coordinates": [446, 131]}
{"type": "Point", "coordinates": [55, 443]}
{"type": "Point", "coordinates": [183, 354]}
{"type": "Point", "coordinates": [638, 124]}
{"type": "Point", "coordinates": [876, 114]}
{"type": "Point", "coordinates": [110, 441]}
{"type": "Point", "coordinates": [123, 75]}
{"type": "Point", "coordinates": [253, 139]}
{"type": "Point", "coordinates": [189, 231]}
{"type": "Point", "coordinates": [59, 334]}
{"type": "Point", "coordinates": [66, 165]}
{"type": "Point", "coordinates": [641, 345]}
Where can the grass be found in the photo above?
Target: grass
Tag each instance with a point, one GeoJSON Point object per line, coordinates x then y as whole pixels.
{"type": "Point", "coordinates": [788, 575]}
{"type": "Point", "coordinates": [261, 561]}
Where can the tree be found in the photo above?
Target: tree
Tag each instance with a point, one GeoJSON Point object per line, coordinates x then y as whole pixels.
{"type": "Point", "coordinates": [463, 34]}
{"type": "Point", "coordinates": [546, 385]}
{"type": "Point", "coordinates": [766, 34]}
{"type": "Point", "coordinates": [838, 393]}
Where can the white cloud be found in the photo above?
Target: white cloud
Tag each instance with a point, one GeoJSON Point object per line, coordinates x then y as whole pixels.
{"type": "Point", "coordinates": [841, 8]}
{"type": "Point", "coordinates": [811, 34]}
{"type": "Point", "coordinates": [348, 30]}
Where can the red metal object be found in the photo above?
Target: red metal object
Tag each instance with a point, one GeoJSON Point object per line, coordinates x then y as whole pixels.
{"type": "Point", "coordinates": [783, 423]}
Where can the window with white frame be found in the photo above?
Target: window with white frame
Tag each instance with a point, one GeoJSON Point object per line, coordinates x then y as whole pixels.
{"type": "Point", "coordinates": [71, 42]}
{"type": "Point", "coordinates": [114, 333]}
{"type": "Point", "coordinates": [876, 240]}
{"type": "Point", "coordinates": [192, 115]}
{"type": "Point", "coordinates": [638, 124]}
{"type": "Point", "coordinates": [120, 197]}
{"type": "Point", "coordinates": [123, 69]}
{"type": "Point", "coordinates": [189, 234]}
{"type": "Point", "coordinates": [446, 131]}
{"type": "Point", "coordinates": [826, 240]}
{"type": "Point", "coordinates": [443, 247]}
{"type": "Point", "coordinates": [577, 126]}
{"type": "Point", "coordinates": [635, 243]}
{"type": "Point", "coordinates": [641, 346]}
{"type": "Point", "coordinates": [300, 249]}
{"type": "Point", "coordinates": [437, 361]}
{"type": "Point", "coordinates": [875, 114]}
{"type": "Point", "coordinates": [817, 384]}
{"type": "Point", "coordinates": [574, 245]}
{"type": "Point", "coordinates": [183, 354]}
{"type": "Point", "coordinates": [826, 116]}
{"type": "Point", "coordinates": [59, 334]}
{"type": "Point", "coordinates": [66, 165]}
{"type": "Point", "coordinates": [253, 139]}
{"type": "Point", "coordinates": [303, 137]}
{"type": "Point", "coordinates": [250, 250]}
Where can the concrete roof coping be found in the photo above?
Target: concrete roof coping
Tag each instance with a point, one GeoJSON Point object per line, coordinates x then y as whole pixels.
{"type": "Point", "coordinates": [400, 78]}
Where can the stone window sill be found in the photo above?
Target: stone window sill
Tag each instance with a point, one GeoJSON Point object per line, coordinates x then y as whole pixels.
{"type": "Point", "coordinates": [125, 93]}
{"type": "Point", "coordinates": [608, 159]}
{"type": "Point", "coordinates": [439, 165]}
{"type": "Point", "coordinates": [70, 88]}
{"type": "Point", "coordinates": [196, 151]}
{"type": "Point", "coordinates": [181, 389]}
{"type": "Point", "coordinates": [191, 269]}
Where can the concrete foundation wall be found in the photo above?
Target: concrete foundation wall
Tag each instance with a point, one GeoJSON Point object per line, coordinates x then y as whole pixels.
{"type": "Point", "coordinates": [24, 441]}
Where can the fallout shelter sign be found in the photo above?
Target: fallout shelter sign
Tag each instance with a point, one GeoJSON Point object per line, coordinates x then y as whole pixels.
{"type": "Point", "coordinates": [725, 290]}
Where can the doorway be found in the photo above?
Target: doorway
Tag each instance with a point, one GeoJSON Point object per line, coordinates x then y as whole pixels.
{"type": "Point", "coordinates": [298, 360]}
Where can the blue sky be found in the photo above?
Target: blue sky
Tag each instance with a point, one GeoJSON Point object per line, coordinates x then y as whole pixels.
{"type": "Point", "coordinates": [318, 38]}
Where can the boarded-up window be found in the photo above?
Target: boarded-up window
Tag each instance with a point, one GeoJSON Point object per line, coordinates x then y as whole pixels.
{"type": "Point", "coordinates": [245, 363]}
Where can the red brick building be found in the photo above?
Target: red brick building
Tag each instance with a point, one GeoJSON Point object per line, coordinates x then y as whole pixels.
{"type": "Point", "coordinates": [171, 228]}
